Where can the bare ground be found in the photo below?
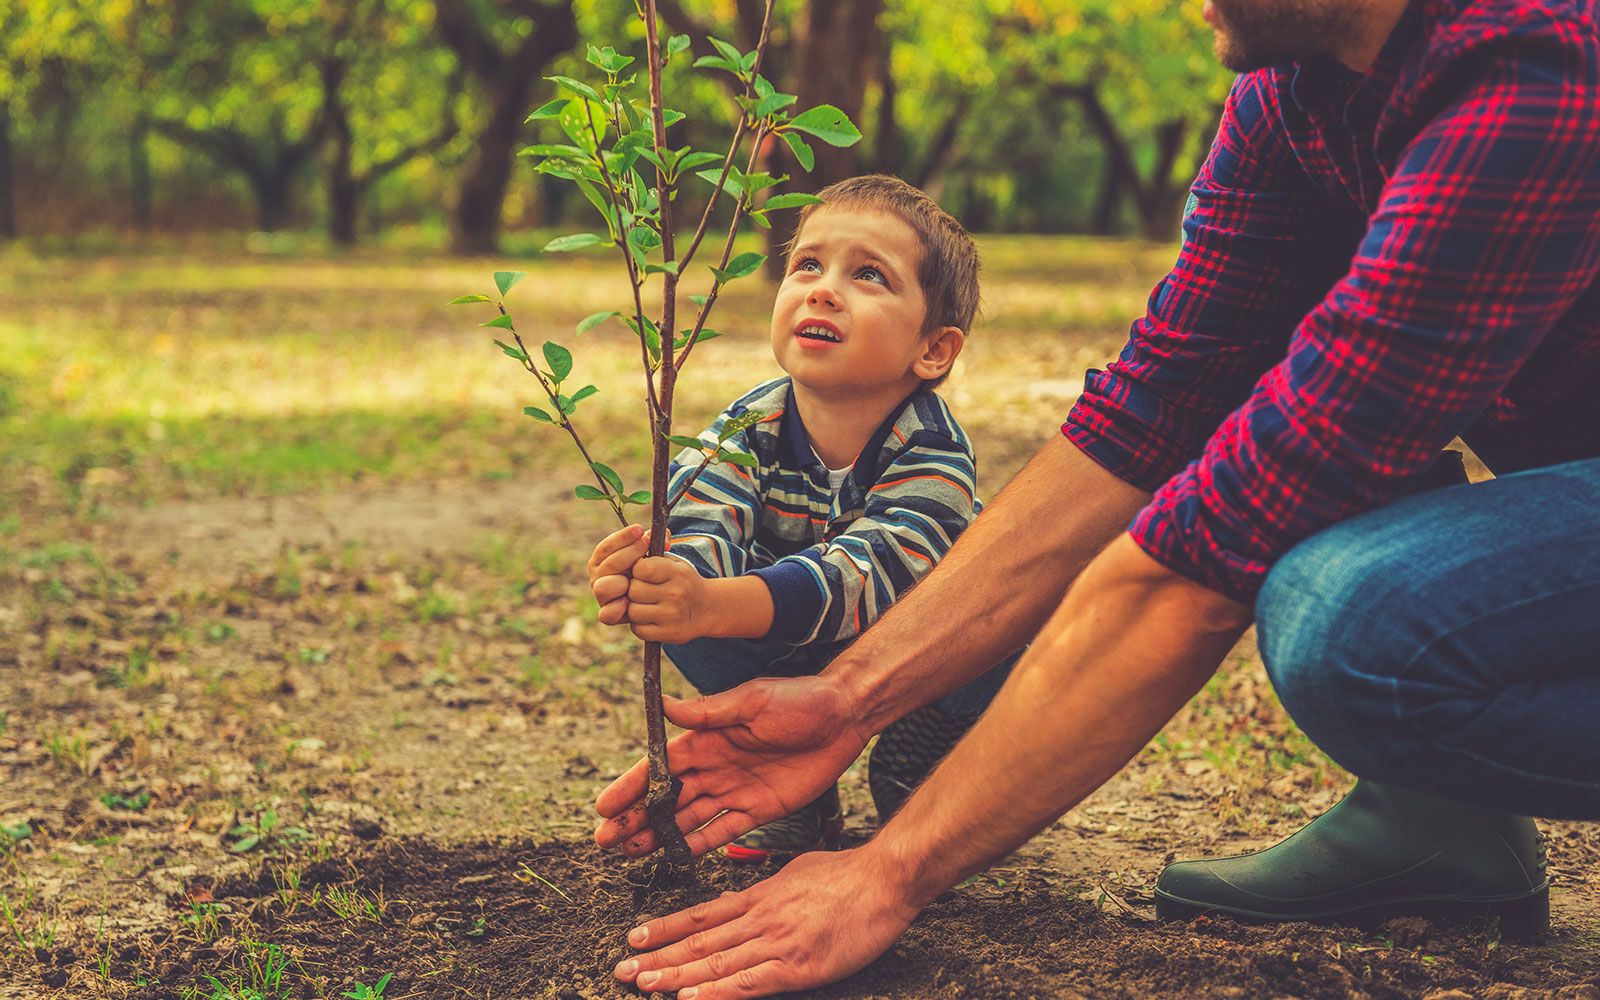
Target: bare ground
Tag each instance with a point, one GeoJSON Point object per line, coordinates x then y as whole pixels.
{"type": "Point", "coordinates": [399, 695]}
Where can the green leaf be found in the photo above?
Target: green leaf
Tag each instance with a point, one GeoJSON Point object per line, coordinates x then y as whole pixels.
{"type": "Point", "coordinates": [670, 267]}
{"type": "Point", "coordinates": [598, 200]}
{"type": "Point", "coordinates": [558, 358]}
{"type": "Point", "coordinates": [643, 240]}
{"type": "Point", "coordinates": [705, 335]}
{"type": "Point", "coordinates": [748, 63]}
{"type": "Point", "coordinates": [550, 109]}
{"type": "Point", "coordinates": [700, 300]}
{"type": "Point", "coordinates": [792, 200]}
{"type": "Point", "coordinates": [739, 267]}
{"type": "Point", "coordinates": [538, 414]}
{"type": "Point", "coordinates": [730, 184]}
{"type": "Point", "coordinates": [650, 333]}
{"type": "Point", "coordinates": [716, 62]}
{"type": "Point", "coordinates": [802, 152]}
{"type": "Point", "coordinates": [511, 352]}
{"type": "Point", "coordinates": [739, 458]}
{"type": "Point", "coordinates": [462, 300]}
{"type": "Point", "coordinates": [590, 322]}
{"type": "Point", "coordinates": [772, 104]}
{"type": "Point", "coordinates": [609, 474]}
{"type": "Point", "coordinates": [827, 123]}
{"type": "Point", "coordinates": [577, 241]}
{"type": "Point", "coordinates": [728, 51]}
{"type": "Point", "coordinates": [670, 117]}
{"type": "Point", "coordinates": [676, 44]}
{"type": "Point", "coordinates": [583, 394]}
{"type": "Point", "coordinates": [244, 845]}
{"type": "Point", "coordinates": [578, 87]}
{"type": "Point", "coordinates": [553, 149]}
{"type": "Point", "coordinates": [685, 442]}
{"type": "Point", "coordinates": [500, 322]}
{"type": "Point", "coordinates": [742, 422]}
{"type": "Point", "coordinates": [640, 497]}
{"type": "Point", "coordinates": [698, 159]}
{"type": "Point", "coordinates": [507, 280]}
{"type": "Point", "coordinates": [587, 492]}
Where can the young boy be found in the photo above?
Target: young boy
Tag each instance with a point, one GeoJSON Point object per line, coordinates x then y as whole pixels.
{"type": "Point", "coordinates": [863, 481]}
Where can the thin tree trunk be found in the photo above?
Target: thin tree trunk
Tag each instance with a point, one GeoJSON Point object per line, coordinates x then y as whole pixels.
{"type": "Point", "coordinates": [8, 210]}
{"type": "Point", "coordinates": [139, 186]}
{"type": "Point", "coordinates": [1108, 200]}
{"type": "Point", "coordinates": [483, 188]}
{"type": "Point", "coordinates": [1160, 207]}
{"type": "Point", "coordinates": [834, 58]}
{"type": "Point", "coordinates": [274, 204]}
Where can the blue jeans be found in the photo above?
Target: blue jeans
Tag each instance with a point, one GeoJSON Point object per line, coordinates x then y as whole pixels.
{"type": "Point", "coordinates": [1450, 642]}
{"type": "Point", "coordinates": [713, 665]}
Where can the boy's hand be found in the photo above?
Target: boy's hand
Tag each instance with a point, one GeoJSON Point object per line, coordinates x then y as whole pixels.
{"type": "Point", "coordinates": [609, 569]}
{"type": "Point", "coordinates": [669, 601]}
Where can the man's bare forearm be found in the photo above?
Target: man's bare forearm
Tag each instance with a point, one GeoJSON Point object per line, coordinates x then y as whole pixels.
{"type": "Point", "coordinates": [1130, 644]}
{"type": "Point", "coordinates": [994, 590]}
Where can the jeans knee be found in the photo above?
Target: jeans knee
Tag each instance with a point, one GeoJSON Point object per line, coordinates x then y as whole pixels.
{"type": "Point", "coordinates": [1315, 629]}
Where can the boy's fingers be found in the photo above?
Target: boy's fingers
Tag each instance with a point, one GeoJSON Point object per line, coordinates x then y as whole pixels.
{"type": "Point", "coordinates": [655, 569]}
{"type": "Point", "coordinates": [619, 561]}
{"type": "Point", "coordinates": [613, 542]}
{"type": "Point", "coordinates": [608, 588]}
{"type": "Point", "coordinates": [641, 592]}
{"type": "Point", "coordinates": [614, 613]}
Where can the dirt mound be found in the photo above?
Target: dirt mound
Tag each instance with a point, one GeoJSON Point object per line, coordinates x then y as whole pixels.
{"type": "Point", "coordinates": [547, 920]}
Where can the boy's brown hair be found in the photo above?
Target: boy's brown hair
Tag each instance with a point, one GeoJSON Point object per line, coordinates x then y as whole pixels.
{"type": "Point", "coordinates": [948, 270]}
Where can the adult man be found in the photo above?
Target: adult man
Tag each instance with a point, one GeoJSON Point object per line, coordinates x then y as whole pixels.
{"type": "Point", "coordinates": [1394, 241]}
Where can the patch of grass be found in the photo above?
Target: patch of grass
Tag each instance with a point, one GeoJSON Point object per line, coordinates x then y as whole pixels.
{"type": "Point", "coordinates": [70, 751]}
{"type": "Point", "coordinates": [128, 803]}
{"type": "Point", "coordinates": [354, 905]}
{"type": "Point", "coordinates": [433, 606]}
{"type": "Point", "coordinates": [137, 671]}
{"type": "Point", "coordinates": [365, 992]}
{"type": "Point", "coordinates": [204, 920]}
{"type": "Point", "coordinates": [264, 833]}
{"type": "Point", "coordinates": [258, 974]}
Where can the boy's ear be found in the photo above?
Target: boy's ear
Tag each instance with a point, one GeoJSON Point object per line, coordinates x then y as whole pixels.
{"type": "Point", "coordinates": [939, 351]}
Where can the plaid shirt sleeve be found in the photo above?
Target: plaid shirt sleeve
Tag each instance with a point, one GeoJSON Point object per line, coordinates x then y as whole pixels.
{"type": "Point", "coordinates": [1487, 231]}
{"type": "Point", "coordinates": [1260, 246]}
{"type": "Point", "coordinates": [922, 500]}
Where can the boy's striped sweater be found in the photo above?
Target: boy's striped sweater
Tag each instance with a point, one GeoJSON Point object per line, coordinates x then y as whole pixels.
{"type": "Point", "coordinates": [834, 563]}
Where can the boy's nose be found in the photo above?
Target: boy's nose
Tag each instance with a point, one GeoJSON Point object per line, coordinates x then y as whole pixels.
{"type": "Point", "coordinates": [821, 294]}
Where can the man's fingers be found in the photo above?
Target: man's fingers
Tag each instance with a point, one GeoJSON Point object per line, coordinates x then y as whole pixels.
{"type": "Point", "coordinates": [629, 788]}
{"type": "Point", "coordinates": [761, 981]}
{"type": "Point", "coordinates": [614, 542]}
{"type": "Point", "coordinates": [673, 968]}
{"type": "Point", "coordinates": [730, 708]}
{"type": "Point", "coordinates": [675, 927]}
{"type": "Point", "coordinates": [721, 830]}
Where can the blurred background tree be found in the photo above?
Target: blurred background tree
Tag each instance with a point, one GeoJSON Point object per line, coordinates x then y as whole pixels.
{"type": "Point", "coordinates": [349, 116]}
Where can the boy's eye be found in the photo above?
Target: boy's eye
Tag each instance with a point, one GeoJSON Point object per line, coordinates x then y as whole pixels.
{"type": "Point", "coordinates": [872, 274]}
{"type": "Point", "coordinates": [807, 264]}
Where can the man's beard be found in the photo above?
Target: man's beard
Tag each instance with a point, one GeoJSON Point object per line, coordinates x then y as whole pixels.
{"type": "Point", "coordinates": [1252, 34]}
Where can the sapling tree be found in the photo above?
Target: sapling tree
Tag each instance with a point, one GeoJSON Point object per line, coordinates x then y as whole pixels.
{"type": "Point", "coordinates": [614, 136]}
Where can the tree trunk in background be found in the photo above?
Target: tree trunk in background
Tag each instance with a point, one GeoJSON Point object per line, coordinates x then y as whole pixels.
{"type": "Point", "coordinates": [888, 146]}
{"type": "Point", "coordinates": [1108, 200]}
{"type": "Point", "coordinates": [507, 81]}
{"type": "Point", "coordinates": [344, 189]}
{"type": "Point", "coordinates": [139, 186]}
{"type": "Point", "coordinates": [274, 202]}
{"type": "Point", "coordinates": [8, 213]}
{"type": "Point", "coordinates": [837, 51]}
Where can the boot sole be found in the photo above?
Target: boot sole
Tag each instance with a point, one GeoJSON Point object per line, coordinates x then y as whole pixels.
{"type": "Point", "coordinates": [1522, 918]}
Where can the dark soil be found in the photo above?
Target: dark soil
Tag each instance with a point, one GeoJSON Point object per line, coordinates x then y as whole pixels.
{"type": "Point", "coordinates": [548, 920]}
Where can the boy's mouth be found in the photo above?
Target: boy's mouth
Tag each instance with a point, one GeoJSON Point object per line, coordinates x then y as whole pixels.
{"type": "Point", "coordinates": [818, 330]}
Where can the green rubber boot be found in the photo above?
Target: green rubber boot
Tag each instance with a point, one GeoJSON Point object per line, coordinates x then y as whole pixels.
{"type": "Point", "coordinates": [1381, 852]}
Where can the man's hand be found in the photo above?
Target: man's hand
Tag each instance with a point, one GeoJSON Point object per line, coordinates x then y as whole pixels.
{"type": "Point", "coordinates": [669, 601]}
{"type": "Point", "coordinates": [752, 754]}
{"type": "Point", "coordinates": [784, 934]}
{"type": "Point", "coordinates": [609, 569]}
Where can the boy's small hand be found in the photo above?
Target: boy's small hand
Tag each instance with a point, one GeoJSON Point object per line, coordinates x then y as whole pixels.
{"type": "Point", "coordinates": [669, 601]}
{"type": "Point", "coordinates": [609, 568]}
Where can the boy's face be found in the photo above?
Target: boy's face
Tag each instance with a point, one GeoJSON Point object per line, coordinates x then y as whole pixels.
{"type": "Point", "coordinates": [848, 316]}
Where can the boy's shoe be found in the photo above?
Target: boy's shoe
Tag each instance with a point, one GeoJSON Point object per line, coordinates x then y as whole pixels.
{"type": "Point", "coordinates": [1381, 852]}
{"type": "Point", "coordinates": [815, 827]}
{"type": "Point", "coordinates": [907, 752]}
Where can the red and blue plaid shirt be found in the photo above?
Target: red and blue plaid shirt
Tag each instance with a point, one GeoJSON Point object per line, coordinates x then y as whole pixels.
{"type": "Point", "coordinates": [1372, 265]}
